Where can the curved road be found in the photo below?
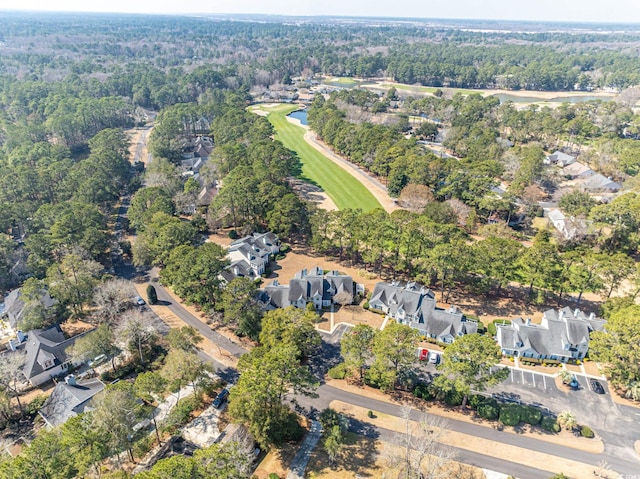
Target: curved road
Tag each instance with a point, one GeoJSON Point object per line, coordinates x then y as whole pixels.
{"type": "Point", "coordinates": [327, 394]}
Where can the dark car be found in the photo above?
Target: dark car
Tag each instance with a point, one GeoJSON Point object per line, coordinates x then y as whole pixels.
{"type": "Point", "coordinates": [596, 387]}
{"type": "Point", "coordinates": [221, 398]}
{"type": "Point", "coordinates": [574, 384]}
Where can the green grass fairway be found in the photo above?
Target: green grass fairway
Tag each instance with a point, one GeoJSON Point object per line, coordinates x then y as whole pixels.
{"type": "Point", "coordinates": [341, 186]}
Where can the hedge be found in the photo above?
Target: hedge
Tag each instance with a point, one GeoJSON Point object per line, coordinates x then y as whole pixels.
{"type": "Point", "coordinates": [531, 415]}
{"type": "Point", "coordinates": [510, 414]}
{"type": "Point", "coordinates": [338, 372]}
{"type": "Point", "coordinates": [587, 432]}
{"type": "Point", "coordinates": [549, 424]}
{"type": "Point", "coordinates": [489, 409]}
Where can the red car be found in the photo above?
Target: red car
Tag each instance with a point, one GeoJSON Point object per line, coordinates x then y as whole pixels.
{"type": "Point", "coordinates": [423, 355]}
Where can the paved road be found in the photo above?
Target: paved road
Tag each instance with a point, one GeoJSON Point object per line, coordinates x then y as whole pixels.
{"type": "Point", "coordinates": [328, 393]}
{"type": "Point", "coordinates": [187, 317]}
{"type": "Point", "coordinates": [472, 458]}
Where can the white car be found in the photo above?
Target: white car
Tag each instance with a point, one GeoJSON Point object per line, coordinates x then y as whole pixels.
{"type": "Point", "coordinates": [139, 301]}
{"type": "Point", "coordinates": [434, 358]}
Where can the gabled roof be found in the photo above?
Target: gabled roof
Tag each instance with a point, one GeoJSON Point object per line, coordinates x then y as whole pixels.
{"type": "Point", "coordinates": [14, 305]}
{"type": "Point", "coordinates": [42, 345]}
{"type": "Point", "coordinates": [549, 338]}
{"type": "Point", "coordinates": [68, 400]}
{"type": "Point", "coordinates": [577, 169]}
{"type": "Point", "coordinates": [600, 182]}
{"type": "Point", "coordinates": [419, 304]}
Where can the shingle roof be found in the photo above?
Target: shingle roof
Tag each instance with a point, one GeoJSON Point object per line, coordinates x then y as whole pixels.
{"type": "Point", "coordinates": [419, 304]}
{"type": "Point", "coordinates": [600, 182]}
{"type": "Point", "coordinates": [67, 401]}
{"type": "Point", "coordinates": [557, 329]}
{"type": "Point", "coordinates": [14, 305]}
{"type": "Point", "coordinates": [42, 345]}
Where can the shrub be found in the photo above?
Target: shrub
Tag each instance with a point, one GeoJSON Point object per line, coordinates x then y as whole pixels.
{"type": "Point", "coordinates": [424, 391]}
{"type": "Point", "coordinates": [488, 409]}
{"type": "Point", "coordinates": [370, 414]}
{"type": "Point", "coordinates": [338, 372]}
{"type": "Point", "coordinates": [549, 424]}
{"type": "Point", "coordinates": [233, 234]}
{"type": "Point", "coordinates": [492, 329]}
{"type": "Point", "coordinates": [143, 445]}
{"type": "Point", "coordinates": [475, 400]}
{"type": "Point", "coordinates": [453, 398]}
{"type": "Point", "coordinates": [284, 248]}
{"type": "Point", "coordinates": [180, 414]}
{"type": "Point", "coordinates": [510, 414]}
{"type": "Point", "coordinates": [152, 295]}
{"type": "Point", "coordinates": [531, 415]}
{"type": "Point", "coordinates": [35, 405]}
{"type": "Point", "coordinates": [587, 432]}
{"type": "Point", "coordinates": [273, 475]}
{"type": "Point", "coordinates": [366, 305]}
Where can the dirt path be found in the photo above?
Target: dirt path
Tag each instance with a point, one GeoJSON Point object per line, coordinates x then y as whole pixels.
{"type": "Point", "coordinates": [377, 189]}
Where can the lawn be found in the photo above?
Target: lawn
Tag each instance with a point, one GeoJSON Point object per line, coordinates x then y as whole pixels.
{"type": "Point", "coordinates": [345, 190]}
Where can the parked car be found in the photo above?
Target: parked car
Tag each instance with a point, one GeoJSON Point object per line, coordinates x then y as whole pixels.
{"type": "Point", "coordinates": [139, 301]}
{"type": "Point", "coordinates": [423, 355]}
{"type": "Point", "coordinates": [574, 384]}
{"type": "Point", "coordinates": [434, 358]}
{"type": "Point", "coordinates": [97, 360]}
{"type": "Point", "coordinates": [221, 398]}
{"type": "Point", "coordinates": [596, 387]}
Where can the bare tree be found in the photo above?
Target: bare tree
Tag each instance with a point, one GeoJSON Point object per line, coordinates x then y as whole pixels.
{"type": "Point", "coordinates": [416, 197]}
{"type": "Point", "coordinates": [343, 298]}
{"type": "Point", "coordinates": [112, 298]}
{"type": "Point", "coordinates": [422, 456]}
{"type": "Point", "coordinates": [11, 375]}
{"type": "Point", "coordinates": [138, 332]}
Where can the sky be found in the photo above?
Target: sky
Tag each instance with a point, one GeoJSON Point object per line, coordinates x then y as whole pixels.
{"type": "Point", "coordinates": [625, 11]}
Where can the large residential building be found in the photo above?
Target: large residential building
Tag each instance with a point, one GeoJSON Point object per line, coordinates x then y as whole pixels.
{"type": "Point", "coordinates": [414, 305]}
{"type": "Point", "coordinates": [250, 255]}
{"type": "Point", "coordinates": [46, 354]}
{"type": "Point", "coordinates": [309, 286]}
{"type": "Point", "coordinates": [561, 335]}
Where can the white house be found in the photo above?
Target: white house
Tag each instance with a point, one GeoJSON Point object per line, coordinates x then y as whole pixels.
{"type": "Point", "coordinates": [561, 335]}
{"type": "Point", "coordinates": [415, 306]}
{"type": "Point", "coordinates": [309, 286]}
{"type": "Point", "coordinates": [254, 251]}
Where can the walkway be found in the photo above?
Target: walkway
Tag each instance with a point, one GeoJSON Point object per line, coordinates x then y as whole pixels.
{"type": "Point", "coordinates": [299, 463]}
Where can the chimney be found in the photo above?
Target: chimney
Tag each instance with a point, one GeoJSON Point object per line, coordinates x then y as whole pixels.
{"type": "Point", "coordinates": [71, 380]}
{"type": "Point", "coordinates": [561, 315]}
{"type": "Point", "coordinates": [592, 316]}
{"type": "Point", "coordinates": [576, 312]}
{"type": "Point", "coordinates": [528, 321]}
{"type": "Point", "coordinates": [12, 345]}
{"type": "Point", "coordinates": [21, 337]}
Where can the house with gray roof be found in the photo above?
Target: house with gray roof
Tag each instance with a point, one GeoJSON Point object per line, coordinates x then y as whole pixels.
{"type": "Point", "coordinates": [14, 306]}
{"type": "Point", "coordinates": [68, 399]}
{"type": "Point", "coordinates": [577, 171]}
{"type": "Point", "coordinates": [254, 251]}
{"type": "Point", "coordinates": [309, 286]}
{"type": "Point", "coordinates": [560, 158]}
{"type": "Point", "coordinates": [600, 184]}
{"type": "Point", "coordinates": [562, 335]}
{"type": "Point", "coordinates": [415, 305]}
{"type": "Point", "coordinates": [46, 355]}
